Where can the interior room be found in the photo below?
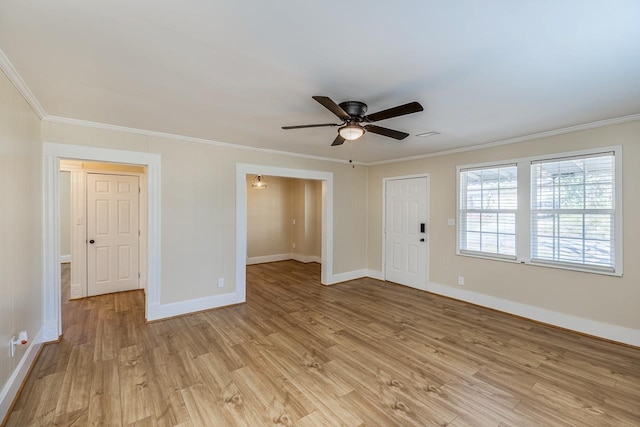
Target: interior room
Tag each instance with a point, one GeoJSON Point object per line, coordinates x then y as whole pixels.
{"type": "Point", "coordinates": [289, 213]}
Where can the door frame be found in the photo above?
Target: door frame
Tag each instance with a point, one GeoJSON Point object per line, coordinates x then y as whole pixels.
{"type": "Point", "coordinates": [426, 175]}
{"type": "Point", "coordinates": [79, 273]}
{"type": "Point", "coordinates": [52, 153]}
{"type": "Point", "coordinates": [244, 169]}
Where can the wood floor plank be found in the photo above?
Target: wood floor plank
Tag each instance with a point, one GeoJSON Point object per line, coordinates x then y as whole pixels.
{"type": "Point", "coordinates": [298, 353]}
{"type": "Point", "coordinates": [104, 400]}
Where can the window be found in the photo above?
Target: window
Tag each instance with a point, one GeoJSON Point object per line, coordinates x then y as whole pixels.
{"type": "Point", "coordinates": [562, 211]}
{"type": "Point", "coordinates": [572, 210]}
{"type": "Point", "coordinates": [488, 204]}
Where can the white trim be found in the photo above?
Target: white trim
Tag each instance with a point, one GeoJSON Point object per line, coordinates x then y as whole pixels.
{"type": "Point", "coordinates": [523, 213]}
{"type": "Point", "coordinates": [78, 274]}
{"type": "Point", "coordinates": [348, 275]}
{"type": "Point", "coordinates": [244, 169]}
{"type": "Point", "coordinates": [106, 126]}
{"type": "Point", "coordinates": [268, 258]}
{"type": "Point", "coordinates": [13, 384]}
{"type": "Point", "coordinates": [25, 91]}
{"type": "Point", "coordinates": [481, 146]}
{"type": "Point", "coordinates": [545, 134]}
{"type": "Point", "coordinates": [579, 324]}
{"type": "Point", "coordinates": [52, 153]}
{"type": "Point", "coordinates": [306, 258]}
{"type": "Point", "coordinates": [163, 311]}
{"type": "Point", "coordinates": [426, 175]}
{"type": "Point", "coordinates": [375, 274]}
{"type": "Point", "coordinates": [65, 258]}
{"type": "Point", "coordinates": [76, 291]}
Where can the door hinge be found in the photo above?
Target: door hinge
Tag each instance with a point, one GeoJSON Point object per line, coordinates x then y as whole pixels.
{"type": "Point", "coordinates": [139, 233]}
{"type": "Point", "coordinates": [138, 275]}
{"type": "Point", "coordinates": [139, 191]}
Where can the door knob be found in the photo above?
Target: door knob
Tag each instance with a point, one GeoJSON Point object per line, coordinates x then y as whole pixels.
{"type": "Point", "coordinates": [93, 241]}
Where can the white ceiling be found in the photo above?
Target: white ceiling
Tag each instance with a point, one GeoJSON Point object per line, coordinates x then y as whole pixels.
{"type": "Point", "coordinates": [235, 71]}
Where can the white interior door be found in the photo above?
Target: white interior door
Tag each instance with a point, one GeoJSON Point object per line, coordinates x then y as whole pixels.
{"type": "Point", "coordinates": [112, 233]}
{"type": "Point", "coordinates": [406, 240]}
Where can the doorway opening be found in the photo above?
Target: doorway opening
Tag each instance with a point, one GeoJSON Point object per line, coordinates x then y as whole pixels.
{"type": "Point", "coordinates": [405, 237]}
{"type": "Point", "coordinates": [284, 220]}
{"type": "Point", "coordinates": [102, 226]}
{"type": "Point", "coordinates": [53, 155]}
{"type": "Point", "coordinates": [245, 171]}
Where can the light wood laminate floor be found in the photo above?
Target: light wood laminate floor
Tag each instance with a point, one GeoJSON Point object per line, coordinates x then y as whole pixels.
{"type": "Point", "coordinates": [363, 352]}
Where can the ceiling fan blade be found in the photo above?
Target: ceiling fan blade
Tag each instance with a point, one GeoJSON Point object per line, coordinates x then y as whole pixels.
{"type": "Point", "coordinates": [338, 141]}
{"type": "Point", "coordinates": [400, 110]}
{"type": "Point", "coordinates": [309, 126]}
{"type": "Point", "coordinates": [332, 106]}
{"type": "Point", "coordinates": [395, 134]}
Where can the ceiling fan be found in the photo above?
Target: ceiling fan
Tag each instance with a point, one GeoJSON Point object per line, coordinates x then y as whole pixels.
{"type": "Point", "coordinates": [355, 119]}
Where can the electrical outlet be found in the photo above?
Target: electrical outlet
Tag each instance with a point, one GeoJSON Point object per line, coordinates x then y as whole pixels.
{"type": "Point", "coordinates": [461, 280]}
{"type": "Point", "coordinates": [451, 221]}
{"type": "Point", "coordinates": [294, 245]}
{"type": "Point", "coordinates": [294, 221]}
{"type": "Point", "coordinates": [221, 282]}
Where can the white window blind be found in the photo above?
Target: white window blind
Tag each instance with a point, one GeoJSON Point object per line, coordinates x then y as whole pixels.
{"type": "Point", "coordinates": [573, 211]}
{"type": "Point", "coordinates": [488, 206]}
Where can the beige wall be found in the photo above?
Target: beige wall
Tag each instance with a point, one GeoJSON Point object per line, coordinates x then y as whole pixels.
{"type": "Point", "coordinates": [597, 297]}
{"type": "Point", "coordinates": [20, 222]}
{"type": "Point", "coordinates": [269, 217]}
{"type": "Point", "coordinates": [307, 212]}
{"type": "Point", "coordinates": [198, 206]}
{"type": "Point", "coordinates": [64, 188]}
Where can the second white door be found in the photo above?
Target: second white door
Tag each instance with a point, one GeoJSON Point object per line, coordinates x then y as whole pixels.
{"type": "Point", "coordinates": [112, 233]}
{"type": "Point", "coordinates": [406, 232]}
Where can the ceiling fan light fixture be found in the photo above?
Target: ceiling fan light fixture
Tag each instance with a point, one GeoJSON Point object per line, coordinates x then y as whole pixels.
{"type": "Point", "coordinates": [258, 183]}
{"type": "Point", "coordinates": [351, 132]}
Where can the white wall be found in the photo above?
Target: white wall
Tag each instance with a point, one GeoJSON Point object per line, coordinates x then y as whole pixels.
{"type": "Point", "coordinates": [64, 185]}
{"type": "Point", "coordinates": [198, 206]}
{"type": "Point", "coordinates": [600, 298]}
{"type": "Point", "coordinates": [21, 230]}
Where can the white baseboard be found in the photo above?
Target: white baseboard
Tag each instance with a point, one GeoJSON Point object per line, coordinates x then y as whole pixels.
{"type": "Point", "coordinates": [283, 257]}
{"type": "Point", "coordinates": [65, 258]}
{"type": "Point", "coordinates": [375, 274]}
{"type": "Point", "coordinates": [11, 388]}
{"type": "Point", "coordinates": [75, 291]}
{"type": "Point", "coordinates": [306, 258]}
{"type": "Point", "coordinates": [268, 258]}
{"type": "Point", "coordinates": [579, 324]}
{"type": "Point", "coordinates": [163, 311]}
{"type": "Point", "coordinates": [346, 276]}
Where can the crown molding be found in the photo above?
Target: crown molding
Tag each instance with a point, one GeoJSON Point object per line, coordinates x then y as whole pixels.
{"type": "Point", "coordinates": [7, 67]}
{"type": "Point", "coordinates": [545, 134]}
{"type": "Point", "coordinates": [106, 126]}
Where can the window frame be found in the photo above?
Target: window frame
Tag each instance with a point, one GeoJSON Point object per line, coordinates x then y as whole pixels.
{"type": "Point", "coordinates": [523, 211]}
{"type": "Point", "coordinates": [481, 211]}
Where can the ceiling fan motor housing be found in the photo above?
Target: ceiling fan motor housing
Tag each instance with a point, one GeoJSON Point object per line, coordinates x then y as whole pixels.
{"type": "Point", "coordinates": [356, 109]}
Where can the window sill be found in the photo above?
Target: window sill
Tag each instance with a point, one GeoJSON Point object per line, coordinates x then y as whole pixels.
{"type": "Point", "coordinates": [540, 264]}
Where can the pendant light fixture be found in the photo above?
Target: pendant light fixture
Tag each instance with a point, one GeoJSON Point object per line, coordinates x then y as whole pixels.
{"type": "Point", "coordinates": [258, 183]}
